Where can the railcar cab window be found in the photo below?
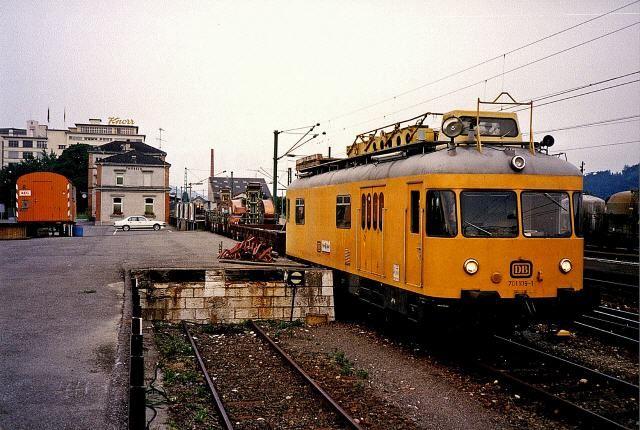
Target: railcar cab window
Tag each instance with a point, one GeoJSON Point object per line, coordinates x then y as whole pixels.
{"type": "Point", "coordinates": [343, 211]}
{"type": "Point", "coordinates": [441, 213]}
{"type": "Point", "coordinates": [489, 214]}
{"type": "Point", "coordinates": [375, 211]}
{"type": "Point", "coordinates": [578, 214]}
{"type": "Point", "coordinates": [363, 205]}
{"type": "Point", "coordinates": [381, 210]}
{"type": "Point", "coordinates": [546, 214]}
{"type": "Point", "coordinates": [299, 211]}
{"type": "Point", "coordinates": [495, 127]}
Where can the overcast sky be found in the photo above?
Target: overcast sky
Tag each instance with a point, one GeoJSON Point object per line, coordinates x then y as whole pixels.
{"type": "Point", "coordinates": [225, 74]}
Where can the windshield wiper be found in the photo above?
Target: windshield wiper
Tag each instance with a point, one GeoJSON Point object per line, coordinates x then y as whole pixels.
{"type": "Point", "coordinates": [556, 203]}
{"type": "Point", "coordinates": [481, 229]}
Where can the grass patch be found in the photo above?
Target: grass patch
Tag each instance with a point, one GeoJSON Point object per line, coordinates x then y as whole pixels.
{"type": "Point", "coordinates": [346, 366]}
{"type": "Point", "coordinates": [172, 345]}
{"type": "Point", "coordinates": [201, 415]}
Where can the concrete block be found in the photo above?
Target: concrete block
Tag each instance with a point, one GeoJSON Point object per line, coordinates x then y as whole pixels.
{"type": "Point", "coordinates": [194, 303]}
{"type": "Point", "coordinates": [216, 302]}
{"type": "Point", "coordinates": [242, 314]}
{"type": "Point", "coordinates": [214, 275]}
{"type": "Point", "coordinates": [198, 292]}
{"type": "Point", "coordinates": [327, 278]}
{"type": "Point", "coordinates": [253, 313]}
{"type": "Point", "coordinates": [301, 301]}
{"type": "Point", "coordinates": [214, 289]}
{"type": "Point", "coordinates": [319, 301]}
{"type": "Point", "coordinates": [265, 313]}
{"type": "Point", "coordinates": [203, 314]}
{"type": "Point", "coordinates": [239, 302]}
{"type": "Point", "coordinates": [312, 277]}
{"type": "Point", "coordinates": [261, 302]}
{"type": "Point", "coordinates": [185, 292]}
{"type": "Point", "coordinates": [278, 313]}
{"type": "Point", "coordinates": [183, 314]}
{"type": "Point", "coordinates": [175, 303]}
{"type": "Point", "coordinates": [327, 291]}
{"type": "Point", "coordinates": [160, 285]}
{"type": "Point", "coordinates": [279, 291]}
{"type": "Point", "coordinates": [281, 301]}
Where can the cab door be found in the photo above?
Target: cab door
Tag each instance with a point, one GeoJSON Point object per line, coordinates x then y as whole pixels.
{"type": "Point", "coordinates": [364, 226]}
{"type": "Point", "coordinates": [413, 235]}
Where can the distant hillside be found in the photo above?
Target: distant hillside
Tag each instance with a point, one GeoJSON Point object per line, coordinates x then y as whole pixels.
{"type": "Point", "coordinates": [604, 183]}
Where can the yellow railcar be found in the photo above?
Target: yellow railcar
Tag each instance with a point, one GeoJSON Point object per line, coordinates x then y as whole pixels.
{"type": "Point", "coordinates": [442, 224]}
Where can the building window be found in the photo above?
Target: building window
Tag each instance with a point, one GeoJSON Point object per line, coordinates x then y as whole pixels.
{"type": "Point", "coordinates": [299, 211]}
{"type": "Point", "coordinates": [343, 212]}
{"type": "Point", "coordinates": [13, 144]}
{"type": "Point", "coordinates": [27, 144]}
{"type": "Point", "coordinates": [27, 155]}
{"type": "Point", "coordinates": [117, 205]}
{"type": "Point", "coordinates": [62, 146]}
{"type": "Point", "coordinates": [14, 154]}
{"type": "Point", "coordinates": [441, 213]}
{"type": "Point", "coordinates": [148, 206]}
{"type": "Point", "coordinates": [42, 144]}
{"type": "Point", "coordinates": [119, 178]}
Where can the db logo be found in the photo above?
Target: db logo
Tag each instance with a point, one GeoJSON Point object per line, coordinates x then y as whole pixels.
{"type": "Point", "coordinates": [521, 269]}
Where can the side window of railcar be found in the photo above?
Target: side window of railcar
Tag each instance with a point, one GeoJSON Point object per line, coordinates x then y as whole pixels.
{"type": "Point", "coordinates": [288, 203]}
{"type": "Point", "coordinates": [441, 213]}
{"type": "Point", "coordinates": [380, 209]}
{"type": "Point", "coordinates": [363, 209]}
{"type": "Point", "coordinates": [299, 211]}
{"type": "Point", "coordinates": [545, 214]}
{"type": "Point", "coordinates": [415, 211]}
{"type": "Point", "coordinates": [368, 211]}
{"type": "Point", "coordinates": [343, 211]}
{"type": "Point", "coordinates": [489, 213]}
{"type": "Point", "coordinates": [578, 214]}
{"type": "Point", "coordinates": [375, 211]}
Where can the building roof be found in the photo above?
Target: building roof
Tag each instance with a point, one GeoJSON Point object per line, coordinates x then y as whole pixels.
{"type": "Point", "coordinates": [133, 157]}
{"type": "Point", "coordinates": [239, 185]}
{"type": "Point", "coordinates": [121, 145]}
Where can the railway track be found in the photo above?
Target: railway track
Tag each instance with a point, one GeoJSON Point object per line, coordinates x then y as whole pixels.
{"type": "Point", "coordinates": [611, 255]}
{"type": "Point", "coordinates": [264, 389]}
{"type": "Point", "coordinates": [612, 324]}
{"type": "Point", "coordinates": [592, 398]}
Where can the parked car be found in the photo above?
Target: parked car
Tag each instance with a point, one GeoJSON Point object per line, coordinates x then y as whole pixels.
{"type": "Point", "coordinates": [139, 222]}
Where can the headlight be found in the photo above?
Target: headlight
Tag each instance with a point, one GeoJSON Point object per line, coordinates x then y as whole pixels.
{"type": "Point", "coordinates": [471, 266]}
{"type": "Point", "coordinates": [565, 265]}
{"type": "Point", "coordinates": [518, 162]}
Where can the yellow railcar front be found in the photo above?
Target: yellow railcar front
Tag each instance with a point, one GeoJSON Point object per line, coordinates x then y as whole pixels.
{"type": "Point", "coordinates": [506, 233]}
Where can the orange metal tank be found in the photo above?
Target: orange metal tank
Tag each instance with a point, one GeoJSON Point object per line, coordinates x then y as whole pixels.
{"type": "Point", "coordinates": [45, 197]}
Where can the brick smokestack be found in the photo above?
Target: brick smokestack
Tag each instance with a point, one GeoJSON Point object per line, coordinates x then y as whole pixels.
{"type": "Point", "coordinates": [212, 174]}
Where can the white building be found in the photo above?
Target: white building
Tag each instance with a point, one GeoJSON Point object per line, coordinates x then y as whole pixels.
{"type": "Point", "coordinates": [129, 183]}
{"type": "Point", "coordinates": [18, 144]}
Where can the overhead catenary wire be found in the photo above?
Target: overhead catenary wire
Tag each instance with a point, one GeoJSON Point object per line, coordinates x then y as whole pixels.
{"type": "Point", "coordinates": [577, 148]}
{"type": "Point", "coordinates": [481, 63]}
{"type": "Point", "coordinates": [611, 121]}
{"type": "Point", "coordinates": [482, 81]}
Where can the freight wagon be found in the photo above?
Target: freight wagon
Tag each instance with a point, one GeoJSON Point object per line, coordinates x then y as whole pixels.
{"type": "Point", "coordinates": [45, 200]}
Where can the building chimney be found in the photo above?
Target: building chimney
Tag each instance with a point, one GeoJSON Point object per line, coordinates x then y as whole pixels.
{"type": "Point", "coordinates": [212, 174]}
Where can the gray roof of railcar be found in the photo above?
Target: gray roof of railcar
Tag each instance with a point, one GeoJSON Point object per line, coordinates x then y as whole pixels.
{"type": "Point", "coordinates": [462, 160]}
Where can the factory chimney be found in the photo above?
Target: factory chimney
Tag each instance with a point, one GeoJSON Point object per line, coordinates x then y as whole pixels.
{"type": "Point", "coordinates": [212, 173]}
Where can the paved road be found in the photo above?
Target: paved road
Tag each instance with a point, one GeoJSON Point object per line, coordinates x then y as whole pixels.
{"type": "Point", "coordinates": [61, 307]}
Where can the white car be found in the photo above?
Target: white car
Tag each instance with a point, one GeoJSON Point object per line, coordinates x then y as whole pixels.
{"type": "Point", "coordinates": [139, 222]}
